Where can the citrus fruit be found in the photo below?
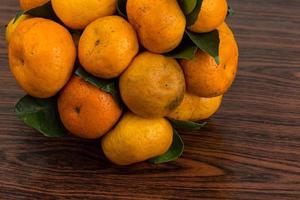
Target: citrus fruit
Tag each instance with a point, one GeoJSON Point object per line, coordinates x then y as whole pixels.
{"type": "Point", "coordinates": [194, 108]}
{"type": "Point", "coordinates": [160, 24]}
{"type": "Point", "coordinates": [77, 14]}
{"type": "Point", "coordinates": [12, 25]}
{"type": "Point", "coordinates": [87, 111]}
{"type": "Point", "coordinates": [41, 56]}
{"type": "Point", "coordinates": [107, 46]}
{"type": "Point", "coordinates": [29, 4]}
{"type": "Point", "coordinates": [204, 77]}
{"type": "Point", "coordinates": [153, 85]}
{"type": "Point", "coordinates": [135, 139]}
{"type": "Point", "coordinates": [212, 14]}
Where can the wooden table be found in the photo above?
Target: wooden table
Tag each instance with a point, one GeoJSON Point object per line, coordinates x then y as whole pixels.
{"type": "Point", "coordinates": [249, 150]}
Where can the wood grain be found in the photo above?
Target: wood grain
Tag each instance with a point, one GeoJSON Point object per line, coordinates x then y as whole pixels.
{"type": "Point", "coordinates": [250, 150]}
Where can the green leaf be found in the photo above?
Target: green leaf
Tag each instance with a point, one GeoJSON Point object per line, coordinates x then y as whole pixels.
{"type": "Point", "coordinates": [183, 51]}
{"type": "Point", "coordinates": [207, 42]}
{"type": "Point", "coordinates": [43, 11]}
{"type": "Point", "coordinates": [187, 6]}
{"type": "Point", "coordinates": [230, 12]}
{"type": "Point", "coordinates": [41, 114]}
{"type": "Point", "coordinates": [187, 125]}
{"type": "Point", "coordinates": [121, 8]}
{"type": "Point", "coordinates": [173, 153]}
{"type": "Point", "coordinates": [193, 16]}
{"type": "Point", "coordinates": [18, 15]}
{"type": "Point", "coordinates": [109, 86]}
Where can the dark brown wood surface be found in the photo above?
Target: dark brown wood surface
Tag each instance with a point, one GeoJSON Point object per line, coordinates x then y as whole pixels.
{"type": "Point", "coordinates": [250, 149]}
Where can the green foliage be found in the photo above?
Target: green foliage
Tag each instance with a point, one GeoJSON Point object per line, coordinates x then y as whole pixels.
{"type": "Point", "coordinates": [41, 114]}
{"type": "Point", "coordinates": [187, 125]}
{"type": "Point", "coordinates": [43, 11]}
{"type": "Point", "coordinates": [173, 153]}
{"type": "Point", "coordinates": [207, 42]}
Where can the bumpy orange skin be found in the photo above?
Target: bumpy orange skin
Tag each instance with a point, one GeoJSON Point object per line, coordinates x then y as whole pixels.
{"type": "Point", "coordinates": [153, 85]}
{"type": "Point", "coordinates": [77, 14]}
{"type": "Point", "coordinates": [86, 111]}
{"type": "Point", "coordinates": [28, 4]}
{"type": "Point", "coordinates": [194, 108]}
{"type": "Point", "coordinates": [212, 14]}
{"type": "Point", "coordinates": [135, 139]}
{"type": "Point", "coordinates": [204, 77]}
{"type": "Point", "coordinates": [107, 46]}
{"type": "Point", "coordinates": [160, 24]}
{"type": "Point", "coordinates": [41, 56]}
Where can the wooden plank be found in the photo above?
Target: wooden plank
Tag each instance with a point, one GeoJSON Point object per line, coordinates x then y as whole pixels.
{"type": "Point", "coordinates": [249, 150]}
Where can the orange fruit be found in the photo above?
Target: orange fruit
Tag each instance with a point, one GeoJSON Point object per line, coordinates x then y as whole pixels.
{"type": "Point", "coordinates": [153, 85]}
{"type": "Point", "coordinates": [87, 111]}
{"type": "Point", "coordinates": [204, 77]}
{"type": "Point", "coordinates": [28, 4]}
{"type": "Point", "coordinates": [77, 14]}
{"type": "Point", "coordinates": [41, 56]}
{"type": "Point", "coordinates": [194, 108]}
{"type": "Point", "coordinates": [160, 24]}
{"type": "Point", "coordinates": [135, 139]}
{"type": "Point", "coordinates": [12, 25]}
{"type": "Point", "coordinates": [107, 46]}
{"type": "Point", "coordinates": [212, 14]}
